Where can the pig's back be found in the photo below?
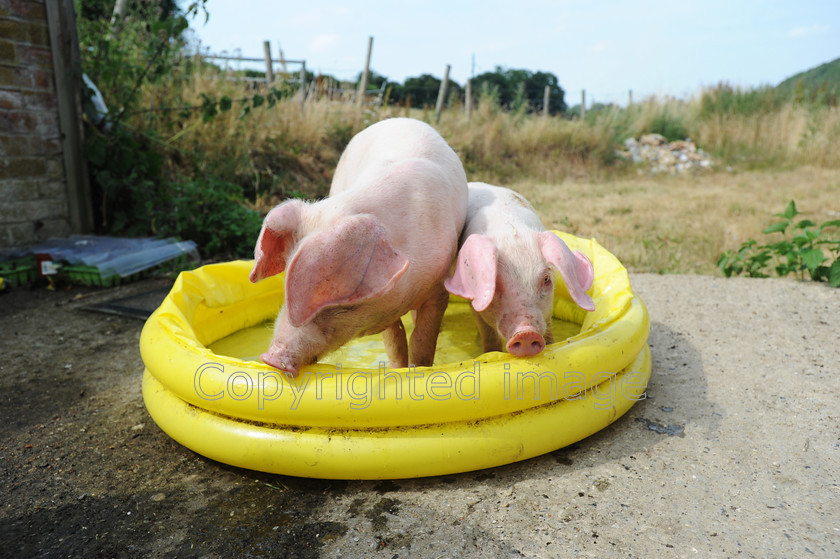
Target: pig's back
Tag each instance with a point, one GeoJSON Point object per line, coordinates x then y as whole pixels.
{"type": "Point", "coordinates": [376, 148]}
{"type": "Point", "coordinates": [404, 173]}
{"type": "Point", "coordinates": [496, 211]}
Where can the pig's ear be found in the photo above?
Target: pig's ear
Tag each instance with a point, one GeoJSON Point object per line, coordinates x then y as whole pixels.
{"type": "Point", "coordinates": [276, 240]}
{"type": "Point", "coordinates": [347, 263]}
{"type": "Point", "coordinates": [575, 268]}
{"type": "Point", "coordinates": [475, 272]}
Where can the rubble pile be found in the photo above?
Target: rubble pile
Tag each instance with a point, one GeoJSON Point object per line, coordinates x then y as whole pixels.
{"type": "Point", "coordinates": [655, 152]}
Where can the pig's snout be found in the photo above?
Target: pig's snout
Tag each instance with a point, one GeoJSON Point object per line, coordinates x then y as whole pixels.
{"type": "Point", "coordinates": [526, 343]}
{"type": "Point", "coordinates": [279, 361]}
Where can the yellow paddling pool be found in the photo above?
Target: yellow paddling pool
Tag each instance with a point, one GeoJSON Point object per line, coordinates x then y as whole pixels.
{"type": "Point", "coordinates": [351, 417]}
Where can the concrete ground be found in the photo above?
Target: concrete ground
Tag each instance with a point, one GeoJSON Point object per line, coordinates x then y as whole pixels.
{"type": "Point", "coordinates": [735, 451]}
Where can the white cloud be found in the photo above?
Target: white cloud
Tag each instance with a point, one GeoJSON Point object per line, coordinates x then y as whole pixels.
{"type": "Point", "coordinates": [323, 42]}
{"type": "Point", "coordinates": [803, 31]}
{"type": "Point", "coordinates": [600, 47]}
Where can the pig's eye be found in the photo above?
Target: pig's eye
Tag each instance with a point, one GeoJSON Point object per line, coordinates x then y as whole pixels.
{"type": "Point", "coordinates": [546, 282]}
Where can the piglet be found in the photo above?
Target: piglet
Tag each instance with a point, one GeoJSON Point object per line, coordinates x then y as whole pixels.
{"type": "Point", "coordinates": [380, 245]}
{"type": "Point", "coordinates": [505, 267]}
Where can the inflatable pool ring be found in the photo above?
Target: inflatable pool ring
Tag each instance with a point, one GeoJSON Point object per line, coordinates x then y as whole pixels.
{"type": "Point", "coordinates": [349, 416]}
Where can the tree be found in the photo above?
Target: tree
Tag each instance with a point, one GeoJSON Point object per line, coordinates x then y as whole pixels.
{"type": "Point", "coordinates": [374, 82]}
{"type": "Point", "coordinates": [517, 87]}
{"type": "Point", "coordinates": [422, 91]}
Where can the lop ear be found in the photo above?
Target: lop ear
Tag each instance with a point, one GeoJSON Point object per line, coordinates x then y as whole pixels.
{"type": "Point", "coordinates": [475, 272]}
{"type": "Point", "coordinates": [276, 240]}
{"type": "Point", "coordinates": [349, 262]}
{"type": "Point", "coordinates": [575, 268]}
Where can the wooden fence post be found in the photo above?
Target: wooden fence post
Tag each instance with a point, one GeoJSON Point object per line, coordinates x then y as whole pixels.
{"type": "Point", "coordinates": [67, 71]}
{"type": "Point", "coordinates": [582, 104]}
{"type": "Point", "coordinates": [302, 83]}
{"type": "Point", "coordinates": [442, 94]}
{"type": "Point", "coordinates": [630, 98]}
{"type": "Point", "coordinates": [360, 96]}
{"type": "Point", "coordinates": [546, 95]}
{"type": "Point", "coordinates": [468, 100]}
{"type": "Point", "coordinates": [269, 69]}
{"type": "Point", "coordinates": [283, 64]}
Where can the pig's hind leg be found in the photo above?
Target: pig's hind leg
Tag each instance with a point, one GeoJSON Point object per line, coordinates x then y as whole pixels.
{"type": "Point", "coordinates": [395, 344]}
{"type": "Point", "coordinates": [427, 321]}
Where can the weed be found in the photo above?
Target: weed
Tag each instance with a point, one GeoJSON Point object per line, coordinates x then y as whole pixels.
{"type": "Point", "coordinates": [801, 254]}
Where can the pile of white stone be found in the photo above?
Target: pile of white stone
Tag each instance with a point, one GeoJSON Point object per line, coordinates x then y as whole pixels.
{"type": "Point", "coordinates": [655, 152]}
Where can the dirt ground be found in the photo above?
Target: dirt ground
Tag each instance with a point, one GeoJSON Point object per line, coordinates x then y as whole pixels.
{"type": "Point", "coordinates": [735, 451]}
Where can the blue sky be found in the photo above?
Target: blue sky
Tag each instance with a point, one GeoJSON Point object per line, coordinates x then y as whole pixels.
{"type": "Point", "coordinates": [654, 47]}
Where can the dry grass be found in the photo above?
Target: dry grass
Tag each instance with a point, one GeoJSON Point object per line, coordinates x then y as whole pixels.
{"type": "Point", "coordinates": [791, 135]}
{"type": "Point", "coordinates": [681, 224]}
{"type": "Point", "coordinates": [660, 224]}
{"type": "Point", "coordinates": [294, 148]}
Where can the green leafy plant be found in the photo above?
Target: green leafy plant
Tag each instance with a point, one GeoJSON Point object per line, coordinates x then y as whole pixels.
{"type": "Point", "coordinates": [137, 192]}
{"type": "Point", "coordinates": [809, 251]}
{"type": "Point", "coordinates": [210, 212]}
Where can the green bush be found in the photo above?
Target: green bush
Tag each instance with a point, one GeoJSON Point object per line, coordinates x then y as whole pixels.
{"type": "Point", "coordinates": [135, 192]}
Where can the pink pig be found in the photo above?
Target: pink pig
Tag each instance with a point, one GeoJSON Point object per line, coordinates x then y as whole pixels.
{"type": "Point", "coordinates": [505, 268]}
{"type": "Point", "coordinates": [379, 246]}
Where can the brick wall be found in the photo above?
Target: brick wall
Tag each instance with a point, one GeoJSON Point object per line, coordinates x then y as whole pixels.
{"type": "Point", "coordinates": [33, 192]}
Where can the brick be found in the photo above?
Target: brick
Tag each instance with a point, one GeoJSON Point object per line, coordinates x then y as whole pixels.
{"type": "Point", "coordinates": [47, 124]}
{"type": "Point", "coordinates": [42, 79]}
{"type": "Point", "coordinates": [39, 34]}
{"type": "Point", "coordinates": [14, 30]}
{"type": "Point", "coordinates": [11, 76]}
{"type": "Point", "coordinates": [7, 51]}
{"type": "Point", "coordinates": [34, 56]}
{"type": "Point", "coordinates": [17, 122]}
{"type": "Point", "coordinates": [39, 101]}
{"type": "Point", "coordinates": [22, 167]}
{"type": "Point", "coordinates": [17, 211]}
{"type": "Point", "coordinates": [55, 169]}
{"type": "Point", "coordinates": [52, 189]}
{"type": "Point", "coordinates": [31, 190]}
{"type": "Point", "coordinates": [11, 99]}
{"type": "Point", "coordinates": [15, 235]}
{"type": "Point", "coordinates": [14, 190]}
{"type": "Point", "coordinates": [21, 233]}
{"type": "Point", "coordinates": [54, 208]}
{"type": "Point", "coordinates": [58, 227]}
{"type": "Point", "coordinates": [45, 146]}
{"type": "Point", "coordinates": [33, 210]}
{"type": "Point", "coordinates": [14, 145]}
{"type": "Point", "coordinates": [29, 10]}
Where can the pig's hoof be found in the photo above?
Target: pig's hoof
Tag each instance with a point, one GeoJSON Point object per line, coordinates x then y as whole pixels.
{"type": "Point", "coordinates": [526, 344]}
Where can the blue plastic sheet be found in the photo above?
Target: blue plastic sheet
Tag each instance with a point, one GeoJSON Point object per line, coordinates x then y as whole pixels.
{"type": "Point", "coordinates": [111, 255]}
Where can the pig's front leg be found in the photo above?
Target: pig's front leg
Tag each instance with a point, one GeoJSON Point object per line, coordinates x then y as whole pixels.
{"type": "Point", "coordinates": [427, 321]}
{"type": "Point", "coordinates": [394, 339]}
{"type": "Point", "coordinates": [490, 338]}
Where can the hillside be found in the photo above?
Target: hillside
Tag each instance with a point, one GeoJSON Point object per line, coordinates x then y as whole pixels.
{"type": "Point", "coordinates": [823, 76]}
